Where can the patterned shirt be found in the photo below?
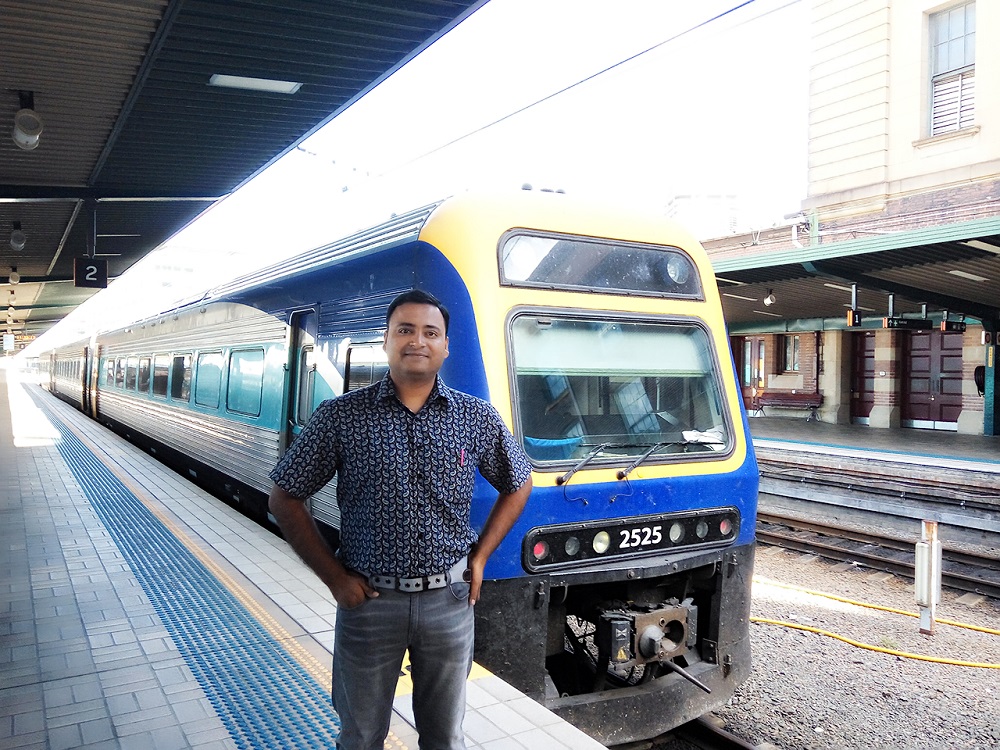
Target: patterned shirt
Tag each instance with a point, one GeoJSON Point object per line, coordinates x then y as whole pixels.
{"type": "Point", "coordinates": [404, 480]}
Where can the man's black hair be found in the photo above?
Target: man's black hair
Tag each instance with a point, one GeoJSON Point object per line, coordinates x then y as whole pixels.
{"type": "Point", "coordinates": [419, 297]}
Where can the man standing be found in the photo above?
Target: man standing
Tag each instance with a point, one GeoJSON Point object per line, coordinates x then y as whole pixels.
{"type": "Point", "coordinates": [409, 567]}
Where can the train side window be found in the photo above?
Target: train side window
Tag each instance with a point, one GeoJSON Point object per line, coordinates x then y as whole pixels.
{"type": "Point", "coordinates": [131, 371]}
{"type": "Point", "coordinates": [109, 372]}
{"type": "Point", "coordinates": [208, 379]}
{"type": "Point", "coordinates": [144, 370]}
{"type": "Point", "coordinates": [161, 373]}
{"type": "Point", "coordinates": [246, 382]}
{"type": "Point", "coordinates": [120, 372]}
{"type": "Point", "coordinates": [366, 364]}
{"type": "Point", "coordinates": [180, 378]}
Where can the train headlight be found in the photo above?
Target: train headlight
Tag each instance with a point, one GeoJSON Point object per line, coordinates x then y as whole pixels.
{"type": "Point", "coordinates": [540, 550]}
{"type": "Point", "coordinates": [679, 269]}
{"type": "Point", "coordinates": [572, 546]}
{"type": "Point", "coordinates": [602, 541]}
{"type": "Point", "coordinates": [676, 532]}
{"type": "Point", "coordinates": [701, 530]}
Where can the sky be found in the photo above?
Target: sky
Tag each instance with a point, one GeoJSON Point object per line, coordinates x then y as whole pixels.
{"type": "Point", "coordinates": [632, 102]}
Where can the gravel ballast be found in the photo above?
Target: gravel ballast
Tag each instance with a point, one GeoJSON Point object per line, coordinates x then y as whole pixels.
{"type": "Point", "coordinates": [814, 692]}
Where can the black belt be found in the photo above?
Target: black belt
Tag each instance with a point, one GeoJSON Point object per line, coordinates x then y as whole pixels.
{"type": "Point", "coordinates": [457, 572]}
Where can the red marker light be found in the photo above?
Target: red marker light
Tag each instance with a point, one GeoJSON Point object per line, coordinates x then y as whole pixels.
{"type": "Point", "coordinates": [725, 527]}
{"type": "Point", "coordinates": [540, 550]}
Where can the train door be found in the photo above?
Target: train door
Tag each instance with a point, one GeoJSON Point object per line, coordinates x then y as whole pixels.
{"type": "Point", "coordinates": [862, 376]}
{"type": "Point", "coordinates": [84, 376]}
{"type": "Point", "coordinates": [93, 375]}
{"type": "Point", "coordinates": [932, 382]}
{"type": "Point", "coordinates": [302, 374]}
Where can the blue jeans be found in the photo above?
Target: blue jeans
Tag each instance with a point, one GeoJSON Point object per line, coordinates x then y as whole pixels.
{"type": "Point", "coordinates": [438, 629]}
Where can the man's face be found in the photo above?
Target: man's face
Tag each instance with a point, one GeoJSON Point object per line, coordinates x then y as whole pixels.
{"type": "Point", "coordinates": [415, 342]}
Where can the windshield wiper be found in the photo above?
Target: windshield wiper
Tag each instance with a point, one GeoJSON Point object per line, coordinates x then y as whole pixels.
{"type": "Point", "coordinates": [652, 449]}
{"type": "Point", "coordinates": [691, 438]}
{"type": "Point", "coordinates": [582, 462]}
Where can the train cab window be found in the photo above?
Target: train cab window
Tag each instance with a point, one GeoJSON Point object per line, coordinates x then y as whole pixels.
{"type": "Point", "coordinates": [366, 364]}
{"type": "Point", "coordinates": [144, 371]}
{"type": "Point", "coordinates": [208, 379]}
{"type": "Point", "coordinates": [180, 377]}
{"type": "Point", "coordinates": [161, 374]}
{"type": "Point", "coordinates": [246, 382]}
{"type": "Point", "coordinates": [120, 372]}
{"type": "Point", "coordinates": [595, 265]}
{"type": "Point", "coordinates": [617, 388]}
{"type": "Point", "coordinates": [131, 372]}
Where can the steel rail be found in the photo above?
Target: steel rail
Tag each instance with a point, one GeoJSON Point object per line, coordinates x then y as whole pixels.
{"type": "Point", "coordinates": [953, 579]}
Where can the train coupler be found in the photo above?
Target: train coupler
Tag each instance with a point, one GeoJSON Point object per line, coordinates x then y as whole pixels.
{"type": "Point", "coordinates": [646, 634]}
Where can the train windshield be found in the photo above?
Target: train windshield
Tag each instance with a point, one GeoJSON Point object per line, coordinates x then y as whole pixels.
{"type": "Point", "coordinates": [615, 389]}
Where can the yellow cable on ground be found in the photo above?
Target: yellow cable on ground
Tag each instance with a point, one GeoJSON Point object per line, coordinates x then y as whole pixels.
{"type": "Point", "coordinates": [836, 598]}
{"type": "Point", "coordinates": [870, 647]}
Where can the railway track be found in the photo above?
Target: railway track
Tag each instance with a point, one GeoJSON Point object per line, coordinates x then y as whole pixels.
{"type": "Point", "coordinates": [704, 733]}
{"type": "Point", "coordinates": [972, 571]}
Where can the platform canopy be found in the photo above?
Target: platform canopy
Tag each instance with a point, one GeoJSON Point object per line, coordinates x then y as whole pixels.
{"type": "Point", "coordinates": [143, 124]}
{"type": "Point", "coordinates": [951, 267]}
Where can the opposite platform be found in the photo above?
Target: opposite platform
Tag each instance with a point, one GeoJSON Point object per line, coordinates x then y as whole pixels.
{"type": "Point", "coordinates": [140, 612]}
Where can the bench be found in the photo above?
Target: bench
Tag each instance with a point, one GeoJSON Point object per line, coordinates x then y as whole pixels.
{"type": "Point", "coordinates": [787, 399]}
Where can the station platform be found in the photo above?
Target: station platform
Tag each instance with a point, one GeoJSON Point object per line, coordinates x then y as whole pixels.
{"type": "Point", "coordinates": [140, 612]}
{"type": "Point", "coordinates": [904, 445]}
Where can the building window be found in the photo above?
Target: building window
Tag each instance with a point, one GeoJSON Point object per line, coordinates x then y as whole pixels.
{"type": "Point", "coordinates": [791, 354]}
{"type": "Point", "coordinates": [953, 69]}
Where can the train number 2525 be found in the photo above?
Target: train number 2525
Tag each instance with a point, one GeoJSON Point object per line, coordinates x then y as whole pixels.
{"type": "Point", "coordinates": [640, 537]}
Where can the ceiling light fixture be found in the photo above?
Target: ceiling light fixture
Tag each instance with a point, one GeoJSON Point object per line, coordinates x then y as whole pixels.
{"type": "Point", "coordinates": [27, 124]}
{"type": "Point", "coordinates": [17, 238]}
{"type": "Point", "coordinates": [980, 245]}
{"type": "Point", "coordinates": [770, 298]}
{"type": "Point", "coordinates": [254, 84]}
{"type": "Point", "coordinates": [838, 286]}
{"type": "Point", "coordinates": [967, 275]}
{"type": "Point", "coordinates": [739, 296]}
{"type": "Point", "coordinates": [15, 277]}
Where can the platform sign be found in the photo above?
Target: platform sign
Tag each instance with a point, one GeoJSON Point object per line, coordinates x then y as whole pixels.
{"type": "Point", "coordinates": [90, 272]}
{"type": "Point", "coordinates": [853, 318]}
{"type": "Point", "coordinates": [909, 324]}
{"type": "Point", "coordinates": [953, 326]}
{"type": "Point", "coordinates": [8, 342]}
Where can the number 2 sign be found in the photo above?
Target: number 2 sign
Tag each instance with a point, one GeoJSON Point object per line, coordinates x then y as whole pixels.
{"type": "Point", "coordinates": [90, 272]}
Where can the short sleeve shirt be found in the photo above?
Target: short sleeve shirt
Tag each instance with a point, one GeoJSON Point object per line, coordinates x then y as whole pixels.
{"type": "Point", "coordinates": [404, 481]}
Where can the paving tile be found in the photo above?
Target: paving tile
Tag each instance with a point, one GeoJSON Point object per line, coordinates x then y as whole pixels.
{"type": "Point", "coordinates": [87, 661]}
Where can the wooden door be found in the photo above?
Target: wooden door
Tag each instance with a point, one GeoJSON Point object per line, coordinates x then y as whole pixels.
{"type": "Point", "coordinates": [932, 384]}
{"type": "Point", "coordinates": [862, 376]}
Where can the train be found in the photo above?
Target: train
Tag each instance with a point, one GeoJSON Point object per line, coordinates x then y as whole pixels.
{"type": "Point", "coordinates": [621, 598]}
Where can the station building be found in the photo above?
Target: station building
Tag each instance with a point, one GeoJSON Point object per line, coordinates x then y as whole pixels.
{"type": "Point", "coordinates": [879, 303]}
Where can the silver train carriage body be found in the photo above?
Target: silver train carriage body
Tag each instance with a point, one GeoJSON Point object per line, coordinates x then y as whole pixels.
{"type": "Point", "coordinates": [620, 600]}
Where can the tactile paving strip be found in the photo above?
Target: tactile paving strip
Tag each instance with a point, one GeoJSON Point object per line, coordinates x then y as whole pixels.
{"type": "Point", "coordinates": [264, 697]}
